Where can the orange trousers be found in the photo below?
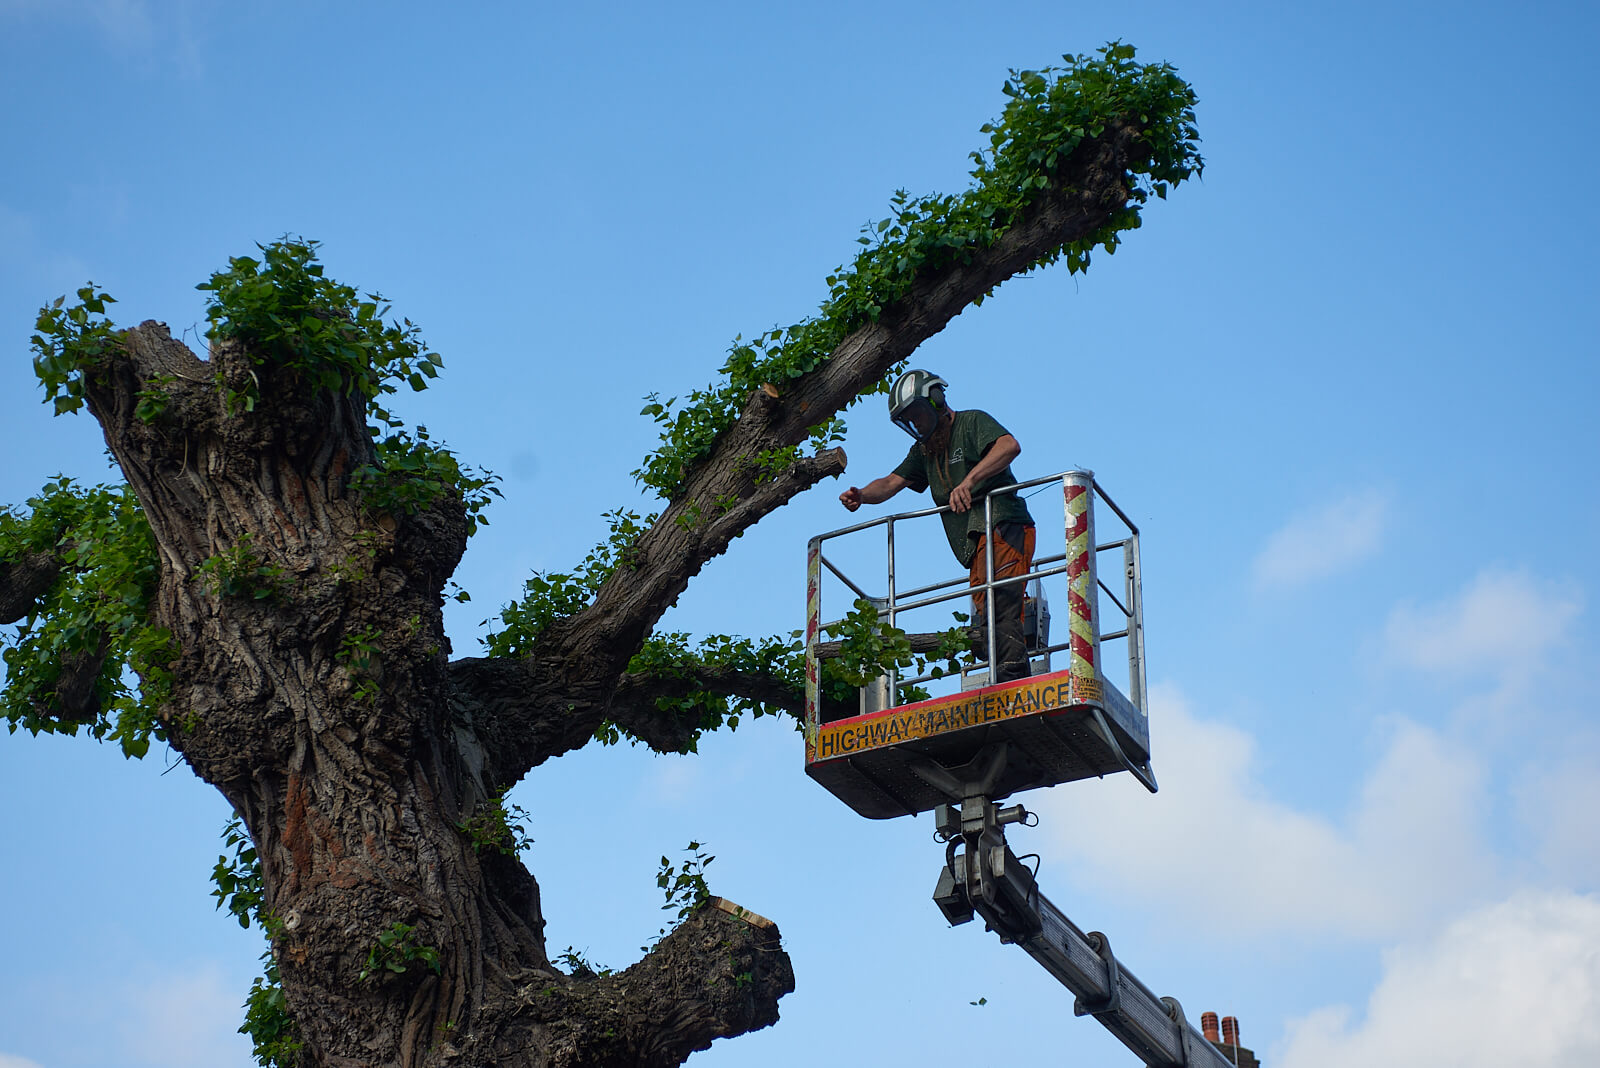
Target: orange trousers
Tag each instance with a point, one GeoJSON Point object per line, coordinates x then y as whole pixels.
{"type": "Point", "coordinates": [1013, 555]}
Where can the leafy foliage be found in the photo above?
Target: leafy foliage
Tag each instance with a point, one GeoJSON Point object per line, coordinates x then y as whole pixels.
{"type": "Point", "coordinates": [672, 656]}
{"type": "Point", "coordinates": [237, 879]}
{"type": "Point", "coordinates": [291, 319]}
{"type": "Point", "coordinates": [71, 341]}
{"type": "Point", "coordinates": [288, 314]}
{"type": "Point", "coordinates": [548, 597]}
{"type": "Point", "coordinates": [101, 596]}
{"type": "Point", "coordinates": [870, 647]}
{"type": "Point", "coordinates": [239, 572]}
{"type": "Point", "coordinates": [411, 473]}
{"type": "Point", "coordinates": [683, 885]}
{"type": "Point", "coordinates": [274, 1035]}
{"type": "Point", "coordinates": [239, 888]}
{"type": "Point", "coordinates": [499, 827]}
{"type": "Point", "coordinates": [358, 650]}
{"type": "Point", "coordinates": [395, 951]}
{"type": "Point", "coordinates": [579, 966]}
{"type": "Point", "coordinates": [1050, 113]}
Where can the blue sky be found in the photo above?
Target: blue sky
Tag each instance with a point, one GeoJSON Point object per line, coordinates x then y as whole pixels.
{"type": "Point", "coordinates": [1344, 383]}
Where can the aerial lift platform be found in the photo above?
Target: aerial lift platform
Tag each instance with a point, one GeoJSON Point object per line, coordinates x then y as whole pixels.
{"type": "Point", "coordinates": [960, 754]}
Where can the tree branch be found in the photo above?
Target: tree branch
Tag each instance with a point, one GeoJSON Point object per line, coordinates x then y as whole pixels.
{"type": "Point", "coordinates": [635, 710]}
{"type": "Point", "coordinates": [718, 975]}
{"type": "Point", "coordinates": [920, 643]}
{"type": "Point", "coordinates": [507, 709]}
{"type": "Point", "coordinates": [1090, 188]}
{"type": "Point", "coordinates": [23, 581]}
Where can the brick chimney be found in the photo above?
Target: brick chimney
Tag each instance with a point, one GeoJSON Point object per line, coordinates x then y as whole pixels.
{"type": "Point", "coordinates": [1228, 1043]}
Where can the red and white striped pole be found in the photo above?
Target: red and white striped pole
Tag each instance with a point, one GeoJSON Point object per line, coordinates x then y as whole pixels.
{"type": "Point", "coordinates": [813, 622]}
{"type": "Point", "coordinates": [1082, 595]}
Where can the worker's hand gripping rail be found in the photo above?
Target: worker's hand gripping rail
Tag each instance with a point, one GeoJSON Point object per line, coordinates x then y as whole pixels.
{"type": "Point", "coordinates": [986, 878]}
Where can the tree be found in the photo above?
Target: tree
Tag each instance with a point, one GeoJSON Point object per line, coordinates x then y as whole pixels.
{"type": "Point", "coordinates": [264, 596]}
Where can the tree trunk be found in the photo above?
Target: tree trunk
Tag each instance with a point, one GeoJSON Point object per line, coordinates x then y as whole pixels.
{"type": "Point", "coordinates": [312, 688]}
{"type": "Point", "coordinates": [312, 684]}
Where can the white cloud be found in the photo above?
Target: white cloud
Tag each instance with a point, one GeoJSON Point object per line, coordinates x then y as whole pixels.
{"type": "Point", "coordinates": [1318, 542]}
{"type": "Point", "coordinates": [186, 1020]}
{"type": "Point", "coordinates": [1499, 625]}
{"type": "Point", "coordinates": [11, 1060]}
{"type": "Point", "coordinates": [1410, 846]}
{"type": "Point", "coordinates": [1514, 983]}
{"type": "Point", "coordinates": [1556, 802]}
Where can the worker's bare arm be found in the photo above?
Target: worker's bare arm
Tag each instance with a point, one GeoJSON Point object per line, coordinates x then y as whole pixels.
{"type": "Point", "coordinates": [875, 492]}
{"type": "Point", "coordinates": [1002, 452]}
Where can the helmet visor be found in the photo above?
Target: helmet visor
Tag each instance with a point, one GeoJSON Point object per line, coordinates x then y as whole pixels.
{"type": "Point", "coordinates": [917, 417]}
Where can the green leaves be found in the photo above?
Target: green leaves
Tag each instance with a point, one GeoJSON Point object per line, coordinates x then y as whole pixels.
{"type": "Point", "coordinates": [1048, 115]}
{"type": "Point", "coordinates": [101, 597]}
{"type": "Point", "coordinates": [358, 654]}
{"type": "Point", "coordinates": [238, 572]}
{"type": "Point", "coordinates": [870, 648]}
{"type": "Point", "coordinates": [548, 597]}
{"type": "Point", "coordinates": [237, 879]}
{"type": "Point", "coordinates": [291, 316]}
{"type": "Point", "coordinates": [497, 827]}
{"type": "Point", "coordinates": [69, 343]}
{"type": "Point", "coordinates": [395, 951]}
{"type": "Point", "coordinates": [411, 472]}
{"type": "Point", "coordinates": [683, 885]}
{"type": "Point", "coordinates": [274, 1035]}
{"type": "Point", "coordinates": [670, 656]}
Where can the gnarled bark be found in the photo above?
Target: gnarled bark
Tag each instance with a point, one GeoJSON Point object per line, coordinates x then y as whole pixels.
{"type": "Point", "coordinates": [23, 581]}
{"type": "Point", "coordinates": [326, 714]}
{"type": "Point", "coordinates": [329, 714]}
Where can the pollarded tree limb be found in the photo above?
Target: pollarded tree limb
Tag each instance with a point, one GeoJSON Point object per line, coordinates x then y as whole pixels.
{"type": "Point", "coordinates": [505, 705]}
{"type": "Point", "coordinates": [718, 975]}
{"type": "Point", "coordinates": [23, 581]}
{"type": "Point", "coordinates": [635, 708]}
{"type": "Point", "coordinates": [1084, 196]}
{"type": "Point", "coordinates": [929, 642]}
{"type": "Point", "coordinates": [689, 534]}
{"type": "Point", "coordinates": [77, 696]}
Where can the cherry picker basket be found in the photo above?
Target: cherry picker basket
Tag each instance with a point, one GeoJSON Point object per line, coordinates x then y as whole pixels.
{"type": "Point", "coordinates": [891, 757]}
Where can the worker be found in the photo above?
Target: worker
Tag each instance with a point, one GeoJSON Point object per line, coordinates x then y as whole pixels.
{"type": "Point", "coordinates": [961, 456]}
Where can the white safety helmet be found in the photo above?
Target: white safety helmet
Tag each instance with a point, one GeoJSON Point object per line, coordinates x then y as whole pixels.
{"type": "Point", "coordinates": [916, 402]}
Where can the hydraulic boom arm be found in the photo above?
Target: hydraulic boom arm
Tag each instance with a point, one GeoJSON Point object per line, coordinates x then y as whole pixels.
{"type": "Point", "coordinates": [986, 878]}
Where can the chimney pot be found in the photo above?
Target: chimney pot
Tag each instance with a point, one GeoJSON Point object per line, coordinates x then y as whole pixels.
{"type": "Point", "coordinates": [1230, 1030]}
{"type": "Point", "coordinates": [1208, 1025]}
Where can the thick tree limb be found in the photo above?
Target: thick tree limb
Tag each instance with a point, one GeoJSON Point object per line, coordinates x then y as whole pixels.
{"type": "Point", "coordinates": [719, 974]}
{"type": "Point", "coordinates": [23, 581]}
{"type": "Point", "coordinates": [506, 706]}
{"type": "Point", "coordinates": [76, 696]}
{"type": "Point", "coordinates": [1090, 188]}
{"type": "Point", "coordinates": [920, 643]}
{"type": "Point", "coordinates": [635, 708]}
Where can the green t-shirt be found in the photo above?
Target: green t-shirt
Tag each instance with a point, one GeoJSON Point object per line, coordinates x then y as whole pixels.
{"type": "Point", "coordinates": [970, 438]}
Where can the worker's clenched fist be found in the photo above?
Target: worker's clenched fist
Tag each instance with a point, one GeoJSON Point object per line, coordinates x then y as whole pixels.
{"type": "Point", "coordinates": [851, 498]}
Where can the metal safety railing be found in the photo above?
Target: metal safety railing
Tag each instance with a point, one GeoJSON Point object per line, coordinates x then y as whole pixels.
{"type": "Point", "coordinates": [1079, 562]}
